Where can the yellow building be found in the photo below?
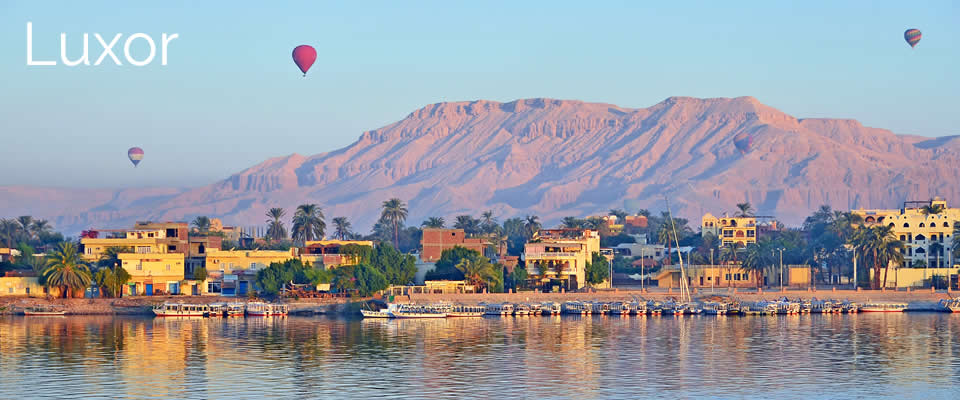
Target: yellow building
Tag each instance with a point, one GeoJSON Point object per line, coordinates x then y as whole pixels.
{"type": "Point", "coordinates": [722, 276]}
{"type": "Point", "coordinates": [742, 230]}
{"type": "Point", "coordinates": [917, 277]}
{"type": "Point", "coordinates": [144, 238]}
{"type": "Point", "coordinates": [233, 261]}
{"type": "Point", "coordinates": [561, 254]}
{"type": "Point", "coordinates": [327, 252]}
{"type": "Point", "coordinates": [928, 236]}
{"type": "Point", "coordinates": [23, 286]}
{"type": "Point", "coordinates": [153, 273]}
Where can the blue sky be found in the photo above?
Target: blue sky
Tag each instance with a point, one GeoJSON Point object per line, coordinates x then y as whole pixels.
{"type": "Point", "coordinates": [230, 96]}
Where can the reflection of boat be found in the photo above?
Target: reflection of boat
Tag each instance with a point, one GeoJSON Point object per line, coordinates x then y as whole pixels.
{"type": "Point", "coordinates": [181, 310]}
{"type": "Point", "coordinates": [951, 305]}
{"type": "Point", "coordinates": [43, 311]}
{"type": "Point", "coordinates": [461, 310]}
{"type": "Point", "coordinates": [883, 307]}
{"type": "Point", "coordinates": [258, 309]}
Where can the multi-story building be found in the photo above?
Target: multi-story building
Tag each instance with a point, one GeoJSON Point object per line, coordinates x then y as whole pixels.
{"type": "Point", "coordinates": [327, 253]}
{"type": "Point", "coordinates": [145, 237]}
{"type": "Point", "coordinates": [154, 273]}
{"type": "Point", "coordinates": [740, 230]}
{"type": "Point", "coordinates": [927, 236]}
{"type": "Point", "coordinates": [7, 254]}
{"type": "Point", "coordinates": [724, 276]}
{"type": "Point", "coordinates": [233, 272]}
{"type": "Point", "coordinates": [436, 240]}
{"type": "Point", "coordinates": [561, 254]}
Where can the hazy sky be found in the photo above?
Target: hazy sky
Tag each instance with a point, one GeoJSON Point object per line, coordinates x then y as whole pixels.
{"type": "Point", "coordinates": [231, 97]}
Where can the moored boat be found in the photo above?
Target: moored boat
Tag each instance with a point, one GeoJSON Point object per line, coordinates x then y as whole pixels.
{"type": "Point", "coordinates": [551, 308]}
{"type": "Point", "coordinates": [950, 305]}
{"type": "Point", "coordinates": [181, 310]}
{"type": "Point", "coordinates": [43, 311]}
{"type": "Point", "coordinates": [461, 310]}
{"type": "Point", "coordinates": [600, 308]}
{"type": "Point", "coordinates": [258, 309]}
{"type": "Point", "coordinates": [883, 307]}
{"type": "Point", "coordinates": [521, 309]}
{"type": "Point", "coordinates": [499, 309]}
{"type": "Point", "coordinates": [235, 310]}
{"type": "Point", "coordinates": [416, 311]}
{"type": "Point", "coordinates": [575, 307]}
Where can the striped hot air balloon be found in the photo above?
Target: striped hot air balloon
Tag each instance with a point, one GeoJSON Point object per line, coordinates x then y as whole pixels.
{"type": "Point", "coordinates": [135, 154]}
{"type": "Point", "coordinates": [912, 36]}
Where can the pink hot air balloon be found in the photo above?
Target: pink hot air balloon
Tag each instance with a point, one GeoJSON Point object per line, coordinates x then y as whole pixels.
{"type": "Point", "coordinates": [304, 56]}
{"type": "Point", "coordinates": [135, 154]}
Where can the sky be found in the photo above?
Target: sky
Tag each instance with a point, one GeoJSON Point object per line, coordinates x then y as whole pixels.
{"type": "Point", "coordinates": [230, 96]}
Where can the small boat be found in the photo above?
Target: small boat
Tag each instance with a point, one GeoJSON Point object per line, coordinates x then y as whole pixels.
{"type": "Point", "coordinates": [655, 307]}
{"type": "Point", "coordinates": [600, 308]}
{"type": "Point", "coordinates": [460, 310]}
{"type": "Point", "coordinates": [217, 309]}
{"type": "Point", "coordinates": [535, 308]}
{"type": "Point", "coordinates": [575, 307]}
{"type": "Point", "coordinates": [622, 308]}
{"type": "Point", "coordinates": [715, 308]}
{"type": "Point", "coordinates": [375, 314]}
{"type": "Point", "coordinates": [639, 307]}
{"type": "Point", "coordinates": [521, 309]}
{"type": "Point", "coordinates": [499, 309]}
{"type": "Point", "coordinates": [950, 305]}
{"type": "Point", "coordinates": [181, 310]}
{"type": "Point", "coordinates": [43, 311]}
{"type": "Point", "coordinates": [551, 308]}
{"type": "Point", "coordinates": [235, 310]}
{"type": "Point", "coordinates": [258, 309]}
{"type": "Point", "coordinates": [416, 311]}
{"type": "Point", "coordinates": [850, 307]}
{"type": "Point", "coordinates": [883, 307]}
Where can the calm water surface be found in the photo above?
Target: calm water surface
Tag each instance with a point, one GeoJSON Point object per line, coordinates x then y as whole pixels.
{"type": "Point", "coordinates": [808, 356]}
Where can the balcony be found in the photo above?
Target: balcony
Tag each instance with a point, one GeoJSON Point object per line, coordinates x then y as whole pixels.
{"type": "Point", "coordinates": [549, 255]}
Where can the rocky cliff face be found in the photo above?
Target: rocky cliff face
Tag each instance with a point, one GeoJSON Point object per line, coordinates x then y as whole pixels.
{"type": "Point", "coordinates": [555, 158]}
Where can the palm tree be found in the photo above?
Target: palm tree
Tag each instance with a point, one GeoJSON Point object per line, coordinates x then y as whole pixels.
{"type": "Point", "coordinates": [394, 212]}
{"type": "Point", "coordinates": [67, 269]}
{"type": "Point", "coordinates": [936, 249]}
{"type": "Point", "coordinates": [202, 223]}
{"type": "Point", "coordinates": [25, 222]}
{"type": "Point", "coordinates": [932, 209]}
{"type": "Point", "coordinates": [488, 223]}
{"type": "Point", "coordinates": [275, 229]}
{"type": "Point", "coordinates": [39, 228]}
{"type": "Point", "coordinates": [341, 228]}
{"type": "Point", "coordinates": [664, 237]}
{"type": "Point", "coordinates": [111, 256]}
{"type": "Point", "coordinates": [746, 210]}
{"type": "Point", "coordinates": [728, 254]}
{"type": "Point", "coordinates": [438, 222]}
{"type": "Point", "coordinates": [478, 272]}
{"type": "Point", "coordinates": [571, 222]}
{"type": "Point", "coordinates": [874, 243]}
{"type": "Point", "coordinates": [9, 230]}
{"type": "Point", "coordinates": [531, 226]}
{"type": "Point", "coordinates": [644, 213]}
{"type": "Point", "coordinates": [308, 223]}
{"type": "Point", "coordinates": [892, 253]}
{"type": "Point", "coordinates": [469, 225]}
{"type": "Point", "coordinates": [755, 259]}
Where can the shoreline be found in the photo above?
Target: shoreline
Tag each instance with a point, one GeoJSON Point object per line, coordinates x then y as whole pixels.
{"type": "Point", "coordinates": [919, 300]}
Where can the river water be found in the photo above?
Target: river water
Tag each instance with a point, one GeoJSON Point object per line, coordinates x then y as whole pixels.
{"type": "Point", "coordinates": [796, 356]}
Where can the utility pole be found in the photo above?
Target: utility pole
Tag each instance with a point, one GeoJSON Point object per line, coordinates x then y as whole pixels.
{"type": "Point", "coordinates": [712, 268]}
{"type": "Point", "coordinates": [642, 278]}
{"type": "Point", "coordinates": [854, 268]}
{"type": "Point", "coordinates": [781, 268]}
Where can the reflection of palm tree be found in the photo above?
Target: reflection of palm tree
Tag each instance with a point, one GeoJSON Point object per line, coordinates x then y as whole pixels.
{"type": "Point", "coordinates": [67, 270]}
{"type": "Point", "coordinates": [395, 212]}
{"type": "Point", "coordinates": [275, 229]}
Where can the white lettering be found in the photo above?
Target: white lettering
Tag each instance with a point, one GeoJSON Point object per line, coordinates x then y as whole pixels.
{"type": "Point", "coordinates": [163, 47]}
{"type": "Point", "coordinates": [107, 49]}
{"type": "Point", "coordinates": [126, 49]}
{"type": "Point", "coordinates": [85, 59]}
{"type": "Point", "coordinates": [30, 48]}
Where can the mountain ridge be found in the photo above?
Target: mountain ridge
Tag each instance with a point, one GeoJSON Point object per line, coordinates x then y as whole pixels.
{"type": "Point", "coordinates": [554, 158]}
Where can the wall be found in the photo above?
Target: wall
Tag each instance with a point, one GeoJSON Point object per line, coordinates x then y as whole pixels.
{"type": "Point", "coordinates": [22, 286]}
{"type": "Point", "coordinates": [914, 277]}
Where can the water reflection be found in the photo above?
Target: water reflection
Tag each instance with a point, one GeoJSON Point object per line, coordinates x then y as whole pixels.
{"type": "Point", "coordinates": [795, 356]}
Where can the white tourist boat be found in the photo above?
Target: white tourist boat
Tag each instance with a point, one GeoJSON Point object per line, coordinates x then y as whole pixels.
{"type": "Point", "coordinates": [951, 305]}
{"type": "Point", "coordinates": [883, 307]}
{"type": "Point", "coordinates": [715, 308]}
{"type": "Point", "coordinates": [181, 310]}
{"type": "Point", "coordinates": [235, 309]}
{"type": "Point", "coordinates": [258, 309]}
{"type": "Point", "coordinates": [416, 311]}
{"type": "Point", "coordinates": [521, 309]}
{"type": "Point", "coordinates": [576, 307]}
{"type": "Point", "coordinates": [622, 308]}
{"type": "Point", "coordinates": [462, 310]}
{"type": "Point", "coordinates": [375, 313]}
{"type": "Point", "coordinates": [551, 308]}
{"type": "Point", "coordinates": [499, 309]}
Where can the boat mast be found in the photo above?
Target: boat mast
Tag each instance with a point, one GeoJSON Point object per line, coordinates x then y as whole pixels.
{"type": "Point", "coordinates": [684, 288]}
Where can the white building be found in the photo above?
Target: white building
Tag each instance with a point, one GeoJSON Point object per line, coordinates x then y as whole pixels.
{"type": "Point", "coordinates": [927, 236]}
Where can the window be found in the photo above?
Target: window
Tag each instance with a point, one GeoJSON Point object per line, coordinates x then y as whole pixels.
{"type": "Point", "coordinates": [253, 265]}
{"type": "Point", "coordinates": [728, 233]}
{"type": "Point", "coordinates": [726, 277]}
{"type": "Point", "coordinates": [27, 290]}
{"type": "Point", "coordinates": [903, 238]}
{"type": "Point", "coordinates": [906, 225]}
{"type": "Point", "coordinates": [150, 235]}
{"type": "Point", "coordinates": [139, 266]}
{"type": "Point", "coordinates": [168, 267]}
{"type": "Point", "coordinates": [751, 233]}
{"type": "Point", "coordinates": [213, 287]}
{"type": "Point", "coordinates": [171, 248]}
{"type": "Point", "coordinates": [10, 290]}
{"type": "Point", "coordinates": [946, 225]}
{"type": "Point", "coordinates": [922, 225]}
{"type": "Point", "coordinates": [143, 249]}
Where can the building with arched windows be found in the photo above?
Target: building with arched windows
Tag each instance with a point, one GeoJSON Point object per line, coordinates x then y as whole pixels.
{"type": "Point", "coordinates": [925, 228]}
{"type": "Point", "coordinates": [741, 230]}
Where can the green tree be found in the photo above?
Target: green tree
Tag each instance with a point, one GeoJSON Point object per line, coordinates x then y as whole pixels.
{"type": "Point", "coordinates": [368, 280]}
{"type": "Point", "coordinates": [445, 268]}
{"type": "Point", "coordinates": [470, 225]}
{"type": "Point", "coordinates": [434, 222]}
{"type": "Point", "coordinates": [67, 270]}
{"type": "Point", "coordinates": [598, 270]}
{"type": "Point", "coordinates": [519, 276]}
{"type": "Point", "coordinates": [478, 271]}
{"type": "Point", "coordinates": [619, 213]}
{"type": "Point", "coordinates": [111, 256]}
{"type": "Point", "coordinates": [394, 211]}
{"type": "Point", "coordinates": [200, 274]}
{"type": "Point", "coordinates": [875, 244]}
{"type": "Point", "coordinates": [531, 225]}
{"type": "Point", "coordinates": [488, 222]}
{"type": "Point", "coordinates": [397, 268]}
{"type": "Point", "coordinates": [275, 229]}
{"type": "Point", "coordinates": [111, 280]}
{"type": "Point", "coordinates": [341, 228]}
{"type": "Point", "coordinates": [308, 223]}
{"type": "Point", "coordinates": [201, 224]}
{"type": "Point", "coordinates": [756, 258]}
{"type": "Point", "coordinates": [277, 275]}
{"type": "Point", "coordinates": [571, 223]}
{"type": "Point", "coordinates": [932, 209]}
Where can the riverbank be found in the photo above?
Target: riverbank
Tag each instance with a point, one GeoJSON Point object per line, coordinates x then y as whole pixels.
{"type": "Point", "coordinates": [142, 305]}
